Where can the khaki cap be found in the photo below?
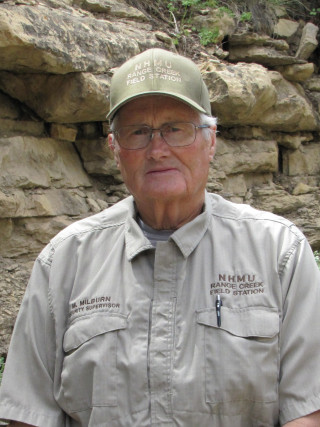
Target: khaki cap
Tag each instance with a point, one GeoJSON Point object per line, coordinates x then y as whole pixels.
{"type": "Point", "coordinates": [159, 72]}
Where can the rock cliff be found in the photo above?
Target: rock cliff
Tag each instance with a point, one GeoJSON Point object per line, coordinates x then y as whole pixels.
{"type": "Point", "coordinates": [56, 61]}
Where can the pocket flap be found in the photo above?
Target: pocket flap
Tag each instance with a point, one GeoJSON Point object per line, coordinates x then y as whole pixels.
{"type": "Point", "coordinates": [84, 329]}
{"type": "Point", "coordinates": [244, 322]}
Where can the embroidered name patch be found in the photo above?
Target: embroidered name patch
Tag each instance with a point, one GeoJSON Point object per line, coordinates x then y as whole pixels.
{"type": "Point", "coordinates": [94, 303]}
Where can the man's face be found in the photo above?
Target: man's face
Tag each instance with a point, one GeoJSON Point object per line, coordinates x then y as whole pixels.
{"type": "Point", "coordinates": [158, 171]}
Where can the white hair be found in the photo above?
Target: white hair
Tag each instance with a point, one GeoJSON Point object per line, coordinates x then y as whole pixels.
{"type": "Point", "coordinates": [208, 120]}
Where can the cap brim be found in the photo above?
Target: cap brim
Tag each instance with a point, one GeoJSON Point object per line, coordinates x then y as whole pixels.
{"type": "Point", "coordinates": [181, 98]}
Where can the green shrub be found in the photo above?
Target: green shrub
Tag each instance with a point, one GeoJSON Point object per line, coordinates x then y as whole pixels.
{"type": "Point", "coordinates": [314, 11]}
{"type": "Point", "coordinates": [208, 36]}
{"type": "Point", "coordinates": [245, 16]}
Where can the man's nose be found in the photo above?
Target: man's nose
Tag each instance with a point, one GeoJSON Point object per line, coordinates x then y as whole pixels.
{"type": "Point", "coordinates": [157, 147]}
{"type": "Point", "coordinates": [154, 132]}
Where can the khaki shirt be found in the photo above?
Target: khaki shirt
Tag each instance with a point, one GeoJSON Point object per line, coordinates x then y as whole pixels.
{"type": "Point", "coordinates": [115, 333]}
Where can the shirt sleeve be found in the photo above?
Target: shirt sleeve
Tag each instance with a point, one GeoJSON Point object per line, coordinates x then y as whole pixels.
{"type": "Point", "coordinates": [299, 385]}
{"type": "Point", "coordinates": [26, 392]}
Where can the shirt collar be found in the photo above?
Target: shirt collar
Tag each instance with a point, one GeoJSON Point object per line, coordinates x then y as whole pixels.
{"type": "Point", "coordinates": [136, 241]}
{"type": "Point", "coordinates": [186, 238]}
{"type": "Point", "coordinates": [189, 235]}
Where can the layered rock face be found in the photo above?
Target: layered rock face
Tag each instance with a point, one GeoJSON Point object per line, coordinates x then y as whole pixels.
{"type": "Point", "coordinates": [56, 61]}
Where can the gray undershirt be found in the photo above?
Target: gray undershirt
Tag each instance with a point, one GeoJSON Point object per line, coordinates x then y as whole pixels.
{"type": "Point", "coordinates": [154, 235]}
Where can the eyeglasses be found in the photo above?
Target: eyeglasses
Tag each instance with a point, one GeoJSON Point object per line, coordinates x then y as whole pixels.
{"type": "Point", "coordinates": [176, 134]}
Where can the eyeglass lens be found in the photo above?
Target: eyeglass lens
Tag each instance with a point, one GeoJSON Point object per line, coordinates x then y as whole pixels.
{"type": "Point", "coordinates": [176, 134]}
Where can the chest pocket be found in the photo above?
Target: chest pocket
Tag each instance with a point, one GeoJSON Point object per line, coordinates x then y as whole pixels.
{"type": "Point", "coordinates": [89, 373]}
{"type": "Point", "coordinates": [241, 356]}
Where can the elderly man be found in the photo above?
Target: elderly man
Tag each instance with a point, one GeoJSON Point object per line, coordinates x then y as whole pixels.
{"type": "Point", "coordinates": [174, 307]}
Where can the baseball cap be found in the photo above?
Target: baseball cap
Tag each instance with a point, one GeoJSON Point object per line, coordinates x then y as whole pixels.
{"type": "Point", "coordinates": [159, 72]}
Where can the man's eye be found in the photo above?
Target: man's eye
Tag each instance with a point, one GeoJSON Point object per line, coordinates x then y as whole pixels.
{"type": "Point", "coordinates": [140, 131]}
{"type": "Point", "coordinates": [172, 128]}
{"type": "Point", "coordinates": [175, 129]}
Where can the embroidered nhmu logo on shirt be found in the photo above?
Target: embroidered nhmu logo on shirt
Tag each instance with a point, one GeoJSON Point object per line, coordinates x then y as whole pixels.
{"type": "Point", "coordinates": [237, 284]}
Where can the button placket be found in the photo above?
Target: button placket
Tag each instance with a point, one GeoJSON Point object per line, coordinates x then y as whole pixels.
{"type": "Point", "coordinates": [162, 332]}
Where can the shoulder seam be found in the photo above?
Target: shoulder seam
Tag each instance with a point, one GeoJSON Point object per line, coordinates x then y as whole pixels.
{"type": "Point", "coordinates": [56, 241]}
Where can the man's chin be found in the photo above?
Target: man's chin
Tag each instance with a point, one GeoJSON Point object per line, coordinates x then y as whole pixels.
{"type": "Point", "coordinates": [163, 194]}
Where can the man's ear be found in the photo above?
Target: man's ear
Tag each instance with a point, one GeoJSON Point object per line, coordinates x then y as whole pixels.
{"type": "Point", "coordinates": [113, 148]}
{"type": "Point", "coordinates": [213, 142]}
{"type": "Point", "coordinates": [111, 142]}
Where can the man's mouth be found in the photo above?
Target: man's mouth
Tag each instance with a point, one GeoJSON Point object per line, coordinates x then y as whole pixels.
{"type": "Point", "coordinates": [161, 170]}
